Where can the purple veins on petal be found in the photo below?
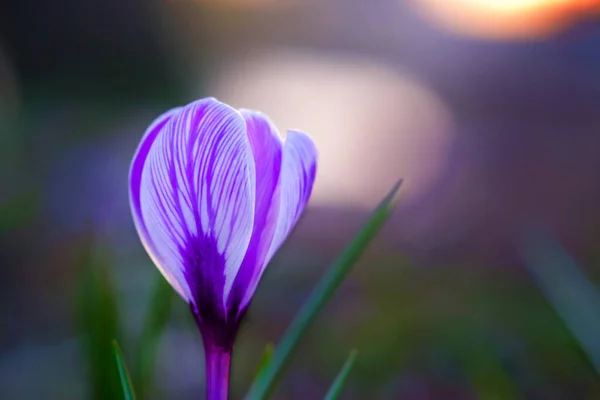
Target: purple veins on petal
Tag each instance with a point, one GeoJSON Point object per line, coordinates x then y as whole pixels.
{"type": "Point", "coordinates": [135, 181]}
{"type": "Point", "coordinates": [298, 171]}
{"type": "Point", "coordinates": [197, 196]}
{"type": "Point", "coordinates": [214, 193]}
{"type": "Point", "coordinates": [297, 176]}
{"type": "Point", "coordinates": [266, 146]}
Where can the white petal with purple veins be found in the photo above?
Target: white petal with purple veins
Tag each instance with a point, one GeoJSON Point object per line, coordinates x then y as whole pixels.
{"type": "Point", "coordinates": [266, 146]}
{"type": "Point", "coordinates": [299, 167]}
{"type": "Point", "coordinates": [214, 192]}
{"type": "Point", "coordinates": [197, 195]}
{"type": "Point", "coordinates": [135, 180]}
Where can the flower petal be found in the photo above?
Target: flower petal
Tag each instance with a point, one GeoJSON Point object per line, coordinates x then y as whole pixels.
{"type": "Point", "coordinates": [267, 150]}
{"type": "Point", "coordinates": [197, 199]}
{"type": "Point", "coordinates": [298, 171]}
{"type": "Point", "coordinates": [135, 181]}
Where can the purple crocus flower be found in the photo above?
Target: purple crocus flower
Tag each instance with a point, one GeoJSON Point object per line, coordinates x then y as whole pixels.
{"type": "Point", "coordinates": [214, 192]}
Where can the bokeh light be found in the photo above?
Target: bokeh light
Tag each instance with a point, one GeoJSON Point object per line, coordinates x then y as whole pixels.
{"type": "Point", "coordinates": [506, 19]}
{"type": "Point", "coordinates": [372, 124]}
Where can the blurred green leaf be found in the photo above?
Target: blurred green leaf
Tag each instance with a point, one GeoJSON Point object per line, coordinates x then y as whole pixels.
{"type": "Point", "coordinates": [336, 387]}
{"type": "Point", "coordinates": [155, 324]}
{"type": "Point", "coordinates": [264, 361]}
{"type": "Point", "coordinates": [567, 287]}
{"type": "Point", "coordinates": [17, 211]}
{"type": "Point", "coordinates": [128, 393]}
{"type": "Point", "coordinates": [98, 317]}
{"type": "Point", "coordinates": [480, 363]}
{"type": "Point", "coordinates": [322, 292]}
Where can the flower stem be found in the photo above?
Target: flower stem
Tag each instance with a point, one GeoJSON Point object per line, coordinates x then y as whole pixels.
{"type": "Point", "coordinates": [217, 372]}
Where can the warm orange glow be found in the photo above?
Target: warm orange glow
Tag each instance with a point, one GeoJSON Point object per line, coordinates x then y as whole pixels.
{"type": "Point", "coordinates": [242, 4]}
{"type": "Point", "coordinates": [507, 18]}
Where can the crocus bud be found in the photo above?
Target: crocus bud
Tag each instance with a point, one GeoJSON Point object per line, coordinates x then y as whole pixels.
{"type": "Point", "coordinates": [214, 192]}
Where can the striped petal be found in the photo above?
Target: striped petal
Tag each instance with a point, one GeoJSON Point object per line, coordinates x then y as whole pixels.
{"type": "Point", "coordinates": [266, 146]}
{"type": "Point", "coordinates": [197, 196]}
{"type": "Point", "coordinates": [298, 170]}
{"type": "Point", "coordinates": [135, 181]}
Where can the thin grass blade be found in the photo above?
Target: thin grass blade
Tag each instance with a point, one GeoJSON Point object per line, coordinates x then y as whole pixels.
{"type": "Point", "coordinates": [336, 387]}
{"type": "Point", "coordinates": [128, 393]}
{"type": "Point", "coordinates": [322, 292]}
{"type": "Point", "coordinates": [264, 361]}
{"type": "Point", "coordinates": [567, 287]}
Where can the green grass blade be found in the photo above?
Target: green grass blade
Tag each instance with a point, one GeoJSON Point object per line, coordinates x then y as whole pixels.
{"type": "Point", "coordinates": [336, 387]}
{"type": "Point", "coordinates": [264, 361]}
{"type": "Point", "coordinates": [567, 287]}
{"type": "Point", "coordinates": [155, 324]}
{"type": "Point", "coordinates": [128, 393]}
{"type": "Point", "coordinates": [322, 292]}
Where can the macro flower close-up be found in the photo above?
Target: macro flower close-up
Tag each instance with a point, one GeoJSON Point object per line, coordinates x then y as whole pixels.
{"type": "Point", "coordinates": [300, 200]}
{"type": "Point", "coordinates": [214, 192]}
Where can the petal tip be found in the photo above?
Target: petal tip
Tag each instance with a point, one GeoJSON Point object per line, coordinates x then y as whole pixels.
{"type": "Point", "coordinates": [305, 139]}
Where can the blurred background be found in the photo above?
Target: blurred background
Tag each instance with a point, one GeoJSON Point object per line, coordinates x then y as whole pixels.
{"type": "Point", "coordinates": [489, 109]}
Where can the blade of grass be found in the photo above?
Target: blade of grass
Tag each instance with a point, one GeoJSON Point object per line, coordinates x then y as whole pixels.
{"type": "Point", "coordinates": [264, 361]}
{"type": "Point", "coordinates": [336, 387]}
{"type": "Point", "coordinates": [322, 292]}
{"type": "Point", "coordinates": [155, 324]}
{"type": "Point", "coordinates": [128, 393]}
{"type": "Point", "coordinates": [567, 287]}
